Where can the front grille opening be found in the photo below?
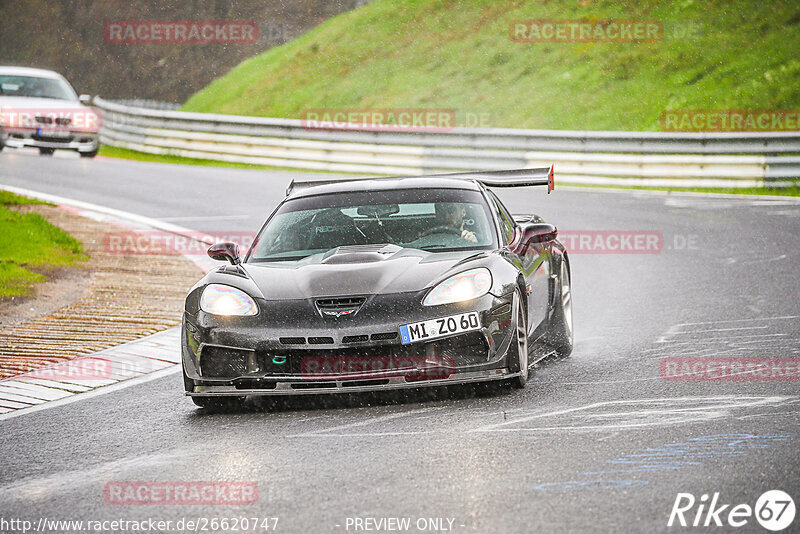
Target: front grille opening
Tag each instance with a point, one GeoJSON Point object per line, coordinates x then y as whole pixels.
{"type": "Point", "coordinates": [255, 383]}
{"type": "Point", "coordinates": [355, 339]}
{"type": "Point", "coordinates": [342, 303]}
{"type": "Point", "coordinates": [314, 385]}
{"type": "Point", "coordinates": [223, 362]}
{"type": "Point", "coordinates": [385, 336]}
{"type": "Point", "coordinates": [320, 340]}
{"type": "Point", "coordinates": [51, 139]}
{"type": "Point", "coordinates": [356, 383]}
{"type": "Point", "coordinates": [466, 349]}
{"type": "Point", "coordinates": [292, 340]}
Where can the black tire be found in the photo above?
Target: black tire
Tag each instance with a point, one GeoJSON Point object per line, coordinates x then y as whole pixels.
{"type": "Point", "coordinates": [518, 350]}
{"type": "Point", "coordinates": [561, 335]}
{"type": "Point", "coordinates": [91, 154]}
{"type": "Point", "coordinates": [213, 404]}
{"type": "Point", "coordinates": [46, 151]}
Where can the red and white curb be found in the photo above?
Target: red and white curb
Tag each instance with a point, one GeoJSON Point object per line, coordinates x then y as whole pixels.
{"type": "Point", "coordinates": [110, 369]}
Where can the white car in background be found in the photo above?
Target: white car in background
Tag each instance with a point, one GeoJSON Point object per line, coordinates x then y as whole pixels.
{"type": "Point", "coordinates": [40, 109]}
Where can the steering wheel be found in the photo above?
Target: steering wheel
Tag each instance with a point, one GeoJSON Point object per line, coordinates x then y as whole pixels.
{"type": "Point", "coordinates": [444, 229]}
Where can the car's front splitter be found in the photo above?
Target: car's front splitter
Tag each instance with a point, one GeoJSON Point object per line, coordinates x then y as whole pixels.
{"type": "Point", "coordinates": [344, 385]}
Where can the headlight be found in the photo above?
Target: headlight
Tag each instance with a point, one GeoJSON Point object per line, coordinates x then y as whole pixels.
{"type": "Point", "coordinates": [462, 286]}
{"type": "Point", "coordinates": [226, 300]}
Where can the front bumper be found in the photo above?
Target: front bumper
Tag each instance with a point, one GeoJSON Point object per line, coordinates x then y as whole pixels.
{"type": "Point", "coordinates": [236, 356]}
{"type": "Point", "coordinates": [23, 137]}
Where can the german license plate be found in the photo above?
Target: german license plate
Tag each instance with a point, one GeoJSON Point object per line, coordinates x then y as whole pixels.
{"type": "Point", "coordinates": [435, 328]}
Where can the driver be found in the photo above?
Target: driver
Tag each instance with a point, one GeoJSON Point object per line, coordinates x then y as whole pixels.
{"type": "Point", "coordinates": [452, 214]}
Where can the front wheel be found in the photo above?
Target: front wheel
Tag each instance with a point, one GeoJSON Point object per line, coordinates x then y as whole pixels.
{"type": "Point", "coordinates": [518, 350]}
{"type": "Point", "coordinates": [46, 151]}
{"type": "Point", "coordinates": [91, 154]}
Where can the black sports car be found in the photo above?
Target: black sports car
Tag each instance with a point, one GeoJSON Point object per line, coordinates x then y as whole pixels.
{"type": "Point", "coordinates": [374, 284]}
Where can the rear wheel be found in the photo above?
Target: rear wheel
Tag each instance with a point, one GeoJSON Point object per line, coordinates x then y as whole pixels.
{"type": "Point", "coordinates": [518, 350]}
{"type": "Point", "coordinates": [46, 151]}
{"type": "Point", "coordinates": [561, 335]}
{"type": "Point", "coordinates": [91, 154]}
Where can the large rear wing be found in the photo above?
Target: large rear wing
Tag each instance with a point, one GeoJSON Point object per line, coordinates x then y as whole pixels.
{"type": "Point", "coordinates": [511, 178]}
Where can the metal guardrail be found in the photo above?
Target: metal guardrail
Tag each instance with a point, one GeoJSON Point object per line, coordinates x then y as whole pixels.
{"type": "Point", "coordinates": [604, 158]}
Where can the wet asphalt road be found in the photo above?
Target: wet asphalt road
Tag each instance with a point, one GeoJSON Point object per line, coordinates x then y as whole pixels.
{"type": "Point", "coordinates": [598, 442]}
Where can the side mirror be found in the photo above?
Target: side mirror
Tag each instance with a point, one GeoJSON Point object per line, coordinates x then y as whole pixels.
{"type": "Point", "coordinates": [226, 251]}
{"type": "Point", "coordinates": [85, 99]}
{"type": "Point", "coordinates": [532, 234]}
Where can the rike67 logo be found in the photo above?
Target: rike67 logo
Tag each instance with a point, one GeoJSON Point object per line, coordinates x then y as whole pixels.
{"type": "Point", "coordinates": [774, 510]}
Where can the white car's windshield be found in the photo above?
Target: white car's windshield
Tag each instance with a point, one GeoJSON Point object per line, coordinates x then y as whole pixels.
{"type": "Point", "coordinates": [35, 87]}
{"type": "Point", "coordinates": [428, 219]}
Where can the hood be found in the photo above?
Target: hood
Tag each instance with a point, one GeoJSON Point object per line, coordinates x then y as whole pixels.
{"type": "Point", "coordinates": [357, 270]}
{"type": "Point", "coordinates": [26, 102]}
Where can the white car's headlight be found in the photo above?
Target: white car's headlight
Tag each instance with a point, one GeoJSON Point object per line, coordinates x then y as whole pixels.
{"type": "Point", "coordinates": [460, 287]}
{"type": "Point", "coordinates": [226, 300]}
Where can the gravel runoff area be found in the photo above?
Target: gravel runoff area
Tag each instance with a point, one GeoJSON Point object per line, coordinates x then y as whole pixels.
{"type": "Point", "coordinates": [113, 298]}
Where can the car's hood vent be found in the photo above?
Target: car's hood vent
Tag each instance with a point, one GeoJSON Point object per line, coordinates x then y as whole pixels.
{"type": "Point", "coordinates": [360, 253]}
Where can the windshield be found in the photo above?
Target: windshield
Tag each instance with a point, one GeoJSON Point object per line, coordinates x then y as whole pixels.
{"type": "Point", "coordinates": [35, 87]}
{"type": "Point", "coordinates": [435, 220]}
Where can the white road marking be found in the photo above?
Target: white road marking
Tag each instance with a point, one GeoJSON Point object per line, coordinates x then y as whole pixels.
{"type": "Point", "coordinates": [753, 319]}
{"type": "Point", "coordinates": [93, 393]}
{"type": "Point", "coordinates": [653, 412]}
{"type": "Point", "coordinates": [726, 329]}
{"type": "Point", "coordinates": [36, 390]}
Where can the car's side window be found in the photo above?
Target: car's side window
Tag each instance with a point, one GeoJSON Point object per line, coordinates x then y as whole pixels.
{"type": "Point", "coordinates": [506, 221]}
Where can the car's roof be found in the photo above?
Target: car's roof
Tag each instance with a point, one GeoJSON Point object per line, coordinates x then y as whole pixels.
{"type": "Point", "coordinates": [27, 71]}
{"type": "Point", "coordinates": [381, 184]}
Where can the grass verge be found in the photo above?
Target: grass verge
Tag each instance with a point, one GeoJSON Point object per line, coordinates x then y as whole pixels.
{"type": "Point", "coordinates": [30, 247]}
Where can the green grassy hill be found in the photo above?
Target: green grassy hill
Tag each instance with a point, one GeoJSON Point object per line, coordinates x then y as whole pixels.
{"type": "Point", "coordinates": [714, 54]}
